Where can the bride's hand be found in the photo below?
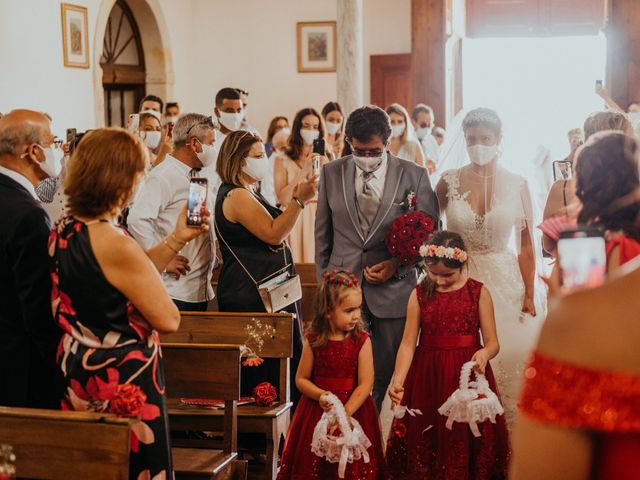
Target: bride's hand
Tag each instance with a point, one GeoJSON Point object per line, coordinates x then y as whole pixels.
{"type": "Point", "coordinates": [528, 306]}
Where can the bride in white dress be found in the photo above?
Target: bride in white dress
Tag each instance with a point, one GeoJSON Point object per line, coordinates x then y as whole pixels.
{"type": "Point", "coordinates": [490, 208]}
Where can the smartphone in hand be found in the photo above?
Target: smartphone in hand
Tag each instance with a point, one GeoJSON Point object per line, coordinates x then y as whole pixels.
{"type": "Point", "coordinates": [198, 191]}
{"type": "Point", "coordinates": [583, 259]}
{"type": "Point", "coordinates": [134, 123]}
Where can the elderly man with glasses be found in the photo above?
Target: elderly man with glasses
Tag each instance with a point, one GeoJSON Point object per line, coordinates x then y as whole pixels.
{"type": "Point", "coordinates": [360, 196]}
{"type": "Point", "coordinates": [29, 153]}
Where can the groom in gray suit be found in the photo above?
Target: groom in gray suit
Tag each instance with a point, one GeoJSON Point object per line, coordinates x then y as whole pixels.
{"type": "Point", "coordinates": [359, 198]}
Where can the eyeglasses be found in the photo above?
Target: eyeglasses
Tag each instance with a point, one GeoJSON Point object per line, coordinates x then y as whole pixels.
{"type": "Point", "coordinates": [366, 152]}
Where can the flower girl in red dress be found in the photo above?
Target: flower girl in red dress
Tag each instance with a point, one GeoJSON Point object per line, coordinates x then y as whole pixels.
{"type": "Point", "coordinates": [447, 310]}
{"type": "Point", "coordinates": [336, 358]}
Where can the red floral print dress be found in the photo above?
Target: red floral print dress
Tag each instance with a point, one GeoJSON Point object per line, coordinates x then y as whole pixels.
{"type": "Point", "coordinates": [109, 355]}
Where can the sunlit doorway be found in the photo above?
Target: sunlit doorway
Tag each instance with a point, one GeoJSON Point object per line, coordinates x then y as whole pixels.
{"type": "Point", "coordinates": [542, 88]}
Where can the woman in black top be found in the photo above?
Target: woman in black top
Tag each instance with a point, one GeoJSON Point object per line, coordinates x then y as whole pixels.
{"type": "Point", "coordinates": [252, 234]}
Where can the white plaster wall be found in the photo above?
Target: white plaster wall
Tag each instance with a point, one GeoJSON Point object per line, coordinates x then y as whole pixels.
{"type": "Point", "coordinates": [213, 44]}
{"type": "Point", "coordinates": [33, 73]}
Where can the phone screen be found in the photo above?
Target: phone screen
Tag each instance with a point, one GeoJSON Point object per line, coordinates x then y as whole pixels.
{"type": "Point", "coordinates": [318, 146]}
{"type": "Point", "coordinates": [583, 259]}
{"type": "Point", "coordinates": [197, 201]}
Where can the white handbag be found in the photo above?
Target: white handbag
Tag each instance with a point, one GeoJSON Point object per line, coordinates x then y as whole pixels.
{"type": "Point", "coordinates": [472, 403]}
{"type": "Point", "coordinates": [278, 290]}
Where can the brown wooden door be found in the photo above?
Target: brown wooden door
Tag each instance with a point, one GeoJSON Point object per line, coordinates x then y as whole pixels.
{"type": "Point", "coordinates": [532, 18]}
{"type": "Point", "coordinates": [391, 80]}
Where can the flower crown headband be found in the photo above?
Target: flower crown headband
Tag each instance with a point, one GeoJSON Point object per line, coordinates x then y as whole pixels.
{"type": "Point", "coordinates": [439, 251]}
{"type": "Point", "coordinates": [331, 277]}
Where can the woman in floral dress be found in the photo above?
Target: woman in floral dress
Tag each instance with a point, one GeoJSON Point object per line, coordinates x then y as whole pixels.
{"type": "Point", "coordinates": [109, 300]}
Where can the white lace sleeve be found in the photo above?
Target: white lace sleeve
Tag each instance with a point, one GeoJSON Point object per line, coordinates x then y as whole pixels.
{"type": "Point", "coordinates": [525, 217]}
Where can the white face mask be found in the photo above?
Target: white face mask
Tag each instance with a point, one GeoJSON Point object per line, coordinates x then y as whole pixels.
{"type": "Point", "coordinates": [208, 155]}
{"type": "Point", "coordinates": [170, 120]}
{"type": "Point", "coordinates": [423, 132]}
{"type": "Point", "coordinates": [369, 164]}
{"type": "Point", "coordinates": [151, 139]}
{"type": "Point", "coordinates": [397, 130]}
{"type": "Point", "coordinates": [482, 154]}
{"type": "Point", "coordinates": [308, 136]}
{"type": "Point", "coordinates": [286, 130]}
{"type": "Point", "coordinates": [257, 168]}
{"type": "Point", "coordinates": [333, 128]}
{"type": "Point", "coordinates": [52, 164]}
{"type": "Point", "coordinates": [232, 121]}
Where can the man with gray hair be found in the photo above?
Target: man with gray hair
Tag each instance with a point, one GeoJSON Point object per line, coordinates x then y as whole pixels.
{"type": "Point", "coordinates": [160, 200]}
{"type": "Point", "coordinates": [28, 333]}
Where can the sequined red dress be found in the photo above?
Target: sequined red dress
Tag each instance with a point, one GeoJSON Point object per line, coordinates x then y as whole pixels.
{"type": "Point", "coordinates": [606, 403]}
{"type": "Point", "coordinates": [421, 447]}
{"type": "Point", "coordinates": [335, 368]}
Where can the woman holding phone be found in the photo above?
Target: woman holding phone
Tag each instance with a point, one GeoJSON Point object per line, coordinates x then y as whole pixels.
{"type": "Point", "coordinates": [291, 168]}
{"type": "Point", "coordinates": [252, 233]}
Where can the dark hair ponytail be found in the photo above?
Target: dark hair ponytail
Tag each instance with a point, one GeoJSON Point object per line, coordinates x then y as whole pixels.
{"type": "Point", "coordinates": [448, 239]}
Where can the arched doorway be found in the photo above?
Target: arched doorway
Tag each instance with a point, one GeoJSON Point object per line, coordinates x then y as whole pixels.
{"type": "Point", "coordinates": [122, 62]}
{"type": "Point", "coordinates": [146, 64]}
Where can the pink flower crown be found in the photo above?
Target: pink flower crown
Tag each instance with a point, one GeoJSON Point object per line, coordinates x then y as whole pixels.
{"type": "Point", "coordinates": [440, 251]}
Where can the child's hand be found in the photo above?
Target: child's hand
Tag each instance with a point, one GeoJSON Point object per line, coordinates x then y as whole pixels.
{"type": "Point", "coordinates": [481, 357]}
{"type": "Point", "coordinates": [396, 392]}
{"type": "Point", "coordinates": [324, 403]}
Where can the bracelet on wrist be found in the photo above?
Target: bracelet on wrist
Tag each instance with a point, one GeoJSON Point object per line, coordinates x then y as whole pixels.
{"type": "Point", "coordinates": [299, 202]}
{"type": "Point", "coordinates": [184, 244]}
{"type": "Point", "coordinates": [170, 247]}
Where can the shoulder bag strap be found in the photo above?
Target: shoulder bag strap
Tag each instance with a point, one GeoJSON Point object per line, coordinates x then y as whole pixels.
{"type": "Point", "coordinates": [215, 223]}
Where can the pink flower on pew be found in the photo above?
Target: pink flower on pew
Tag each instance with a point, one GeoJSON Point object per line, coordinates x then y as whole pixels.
{"type": "Point", "coordinates": [128, 401]}
{"type": "Point", "coordinates": [265, 394]}
{"type": "Point", "coordinates": [253, 361]}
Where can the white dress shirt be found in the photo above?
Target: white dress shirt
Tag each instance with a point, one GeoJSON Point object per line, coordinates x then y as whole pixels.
{"type": "Point", "coordinates": [21, 179]}
{"type": "Point", "coordinates": [377, 179]}
{"type": "Point", "coordinates": [154, 215]}
{"type": "Point", "coordinates": [431, 148]}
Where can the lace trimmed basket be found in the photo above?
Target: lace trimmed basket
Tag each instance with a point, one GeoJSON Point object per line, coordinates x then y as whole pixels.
{"type": "Point", "coordinates": [349, 445]}
{"type": "Point", "coordinates": [473, 403]}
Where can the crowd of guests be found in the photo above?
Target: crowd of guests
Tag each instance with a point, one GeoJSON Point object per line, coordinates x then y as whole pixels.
{"type": "Point", "coordinates": [83, 299]}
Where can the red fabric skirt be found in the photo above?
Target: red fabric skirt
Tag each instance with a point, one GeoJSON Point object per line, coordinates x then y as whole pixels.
{"type": "Point", "coordinates": [422, 446]}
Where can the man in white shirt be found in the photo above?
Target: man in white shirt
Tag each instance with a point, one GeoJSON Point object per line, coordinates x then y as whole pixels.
{"type": "Point", "coordinates": [162, 198]}
{"type": "Point", "coordinates": [423, 120]}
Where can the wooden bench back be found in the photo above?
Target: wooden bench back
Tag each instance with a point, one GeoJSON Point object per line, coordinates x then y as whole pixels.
{"type": "Point", "coordinates": [53, 444]}
{"type": "Point", "coordinates": [231, 328]}
{"type": "Point", "coordinates": [202, 371]}
{"type": "Point", "coordinates": [206, 371]}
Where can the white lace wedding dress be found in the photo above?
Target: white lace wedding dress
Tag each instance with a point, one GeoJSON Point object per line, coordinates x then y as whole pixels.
{"type": "Point", "coordinates": [493, 262]}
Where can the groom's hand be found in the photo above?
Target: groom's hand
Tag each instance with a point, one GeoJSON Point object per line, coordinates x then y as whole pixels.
{"type": "Point", "coordinates": [380, 272]}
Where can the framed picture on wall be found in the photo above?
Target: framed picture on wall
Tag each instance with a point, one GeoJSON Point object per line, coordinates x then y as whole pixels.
{"type": "Point", "coordinates": [316, 46]}
{"type": "Point", "coordinates": [75, 36]}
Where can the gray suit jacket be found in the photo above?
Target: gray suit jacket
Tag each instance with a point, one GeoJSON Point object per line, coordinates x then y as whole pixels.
{"type": "Point", "coordinates": [339, 240]}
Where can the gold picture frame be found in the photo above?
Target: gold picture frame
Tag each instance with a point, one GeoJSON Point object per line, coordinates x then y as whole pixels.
{"type": "Point", "coordinates": [317, 46]}
{"type": "Point", "coordinates": [75, 35]}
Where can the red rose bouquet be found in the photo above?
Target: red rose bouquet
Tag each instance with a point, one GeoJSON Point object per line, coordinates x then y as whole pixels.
{"type": "Point", "coordinates": [407, 234]}
{"type": "Point", "coordinates": [265, 394]}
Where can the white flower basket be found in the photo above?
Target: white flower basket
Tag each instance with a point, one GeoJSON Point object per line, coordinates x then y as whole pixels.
{"type": "Point", "coordinates": [472, 403]}
{"type": "Point", "coordinates": [350, 446]}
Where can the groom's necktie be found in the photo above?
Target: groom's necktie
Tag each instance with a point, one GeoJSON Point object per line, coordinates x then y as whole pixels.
{"type": "Point", "coordinates": [368, 203]}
